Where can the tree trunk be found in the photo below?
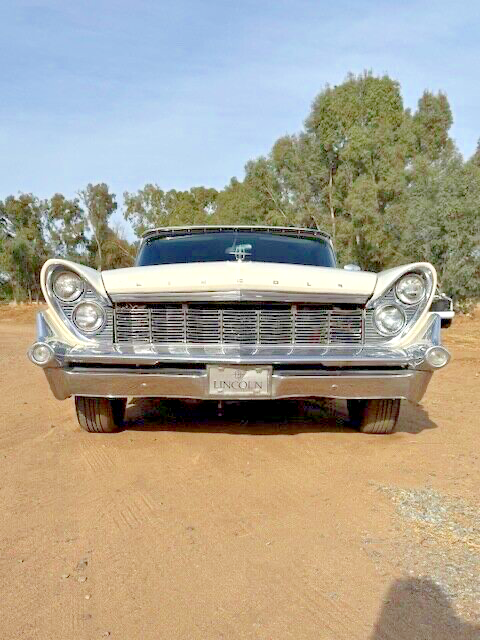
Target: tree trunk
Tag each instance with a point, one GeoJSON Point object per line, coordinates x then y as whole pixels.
{"type": "Point", "coordinates": [330, 203]}
{"type": "Point", "coordinates": [99, 256]}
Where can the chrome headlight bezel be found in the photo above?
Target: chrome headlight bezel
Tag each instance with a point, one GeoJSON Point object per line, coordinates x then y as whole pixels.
{"type": "Point", "coordinates": [76, 294]}
{"type": "Point", "coordinates": [381, 329]}
{"type": "Point", "coordinates": [102, 317]}
{"type": "Point", "coordinates": [402, 297]}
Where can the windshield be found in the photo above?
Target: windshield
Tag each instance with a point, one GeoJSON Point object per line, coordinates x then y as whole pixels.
{"type": "Point", "coordinates": [251, 246]}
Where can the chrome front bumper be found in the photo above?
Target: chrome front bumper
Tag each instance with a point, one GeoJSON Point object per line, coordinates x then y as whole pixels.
{"type": "Point", "coordinates": [181, 371]}
{"type": "Point", "coordinates": [410, 385]}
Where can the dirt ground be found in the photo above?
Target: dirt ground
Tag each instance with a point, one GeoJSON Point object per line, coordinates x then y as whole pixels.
{"type": "Point", "coordinates": [265, 523]}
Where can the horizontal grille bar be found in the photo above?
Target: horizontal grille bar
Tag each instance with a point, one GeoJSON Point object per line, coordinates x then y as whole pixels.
{"type": "Point", "coordinates": [231, 324]}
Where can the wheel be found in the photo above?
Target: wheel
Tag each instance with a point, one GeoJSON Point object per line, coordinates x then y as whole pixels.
{"type": "Point", "coordinates": [100, 415]}
{"type": "Point", "coordinates": [374, 416]}
{"type": "Point", "coordinates": [446, 323]}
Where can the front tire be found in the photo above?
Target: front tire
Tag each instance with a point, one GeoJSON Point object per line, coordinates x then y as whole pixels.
{"type": "Point", "coordinates": [100, 415]}
{"type": "Point", "coordinates": [374, 416]}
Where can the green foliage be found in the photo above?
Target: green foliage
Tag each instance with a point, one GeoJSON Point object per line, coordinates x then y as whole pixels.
{"type": "Point", "coordinates": [23, 255]}
{"type": "Point", "coordinates": [40, 229]}
{"type": "Point", "coordinates": [444, 223]}
{"type": "Point", "coordinates": [475, 159]}
{"type": "Point", "coordinates": [151, 207]}
{"type": "Point", "coordinates": [432, 122]}
{"type": "Point", "coordinates": [66, 227]}
{"type": "Point", "coordinates": [117, 251]}
{"type": "Point", "coordinates": [99, 205]}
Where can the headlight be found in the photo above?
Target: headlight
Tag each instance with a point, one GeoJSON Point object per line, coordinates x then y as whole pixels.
{"type": "Point", "coordinates": [67, 286]}
{"type": "Point", "coordinates": [89, 317]}
{"type": "Point", "coordinates": [411, 288]}
{"type": "Point", "coordinates": [389, 319]}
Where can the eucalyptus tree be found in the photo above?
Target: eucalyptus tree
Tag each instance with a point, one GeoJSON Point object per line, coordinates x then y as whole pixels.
{"type": "Point", "coordinates": [99, 204]}
{"type": "Point", "coordinates": [24, 249]}
{"type": "Point", "coordinates": [66, 226]}
{"type": "Point", "coordinates": [152, 207]}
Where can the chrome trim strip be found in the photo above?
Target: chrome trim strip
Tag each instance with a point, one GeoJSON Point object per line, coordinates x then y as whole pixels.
{"type": "Point", "coordinates": [146, 354]}
{"type": "Point", "coordinates": [446, 315]}
{"type": "Point", "coordinates": [239, 296]}
{"type": "Point", "coordinates": [172, 231]}
{"type": "Point", "coordinates": [43, 328]}
{"type": "Point", "coordinates": [409, 385]}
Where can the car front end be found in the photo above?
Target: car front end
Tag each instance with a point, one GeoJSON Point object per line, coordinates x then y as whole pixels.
{"type": "Point", "coordinates": [239, 330]}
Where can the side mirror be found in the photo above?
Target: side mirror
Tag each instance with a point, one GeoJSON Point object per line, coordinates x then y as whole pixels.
{"type": "Point", "coordinates": [352, 267]}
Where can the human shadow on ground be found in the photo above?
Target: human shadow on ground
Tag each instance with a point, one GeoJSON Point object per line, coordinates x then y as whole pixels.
{"type": "Point", "coordinates": [417, 609]}
{"type": "Point", "coordinates": [254, 417]}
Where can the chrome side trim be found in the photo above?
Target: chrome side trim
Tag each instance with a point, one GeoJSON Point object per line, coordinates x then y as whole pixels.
{"type": "Point", "coordinates": [239, 296]}
{"type": "Point", "coordinates": [409, 385]}
{"type": "Point", "coordinates": [44, 330]}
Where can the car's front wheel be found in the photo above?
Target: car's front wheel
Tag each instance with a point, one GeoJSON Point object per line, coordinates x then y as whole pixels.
{"type": "Point", "coordinates": [374, 416]}
{"type": "Point", "coordinates": [100, 415]}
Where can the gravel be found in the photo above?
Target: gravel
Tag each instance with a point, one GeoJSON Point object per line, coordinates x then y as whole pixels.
{"type": "Point", "coordinates": [439, 538]}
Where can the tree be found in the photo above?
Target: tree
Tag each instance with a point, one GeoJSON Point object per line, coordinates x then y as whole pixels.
{"type": "Point", "coordinates": [347, 170]}
{"type": "Point", "coordinates": [99, 205]}
{"type": "Point", "coordinates": [475, 159]}
{"type": "Point", "coordinates": [66, 227]}
{"type": "Point", "coordinates": [118, 252]}
{"type": "Point", "coordinates": [152, 207]}
{"type": "Point", "coordinates": [24, 249]}
{"type": "Point", "coordinates": [432, 122]}
{"type": "Point", "coordinates": [444, 223]}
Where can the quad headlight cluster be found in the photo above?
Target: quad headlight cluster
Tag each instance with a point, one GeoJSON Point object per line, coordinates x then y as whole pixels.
{"type": "Point", "coordinates": [390, 318]}
{"type": "Point", "coordinates": [88, 316]}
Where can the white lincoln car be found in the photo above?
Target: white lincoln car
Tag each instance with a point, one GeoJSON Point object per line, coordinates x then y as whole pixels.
{"type": "Point", "coordinates": [238, 313]}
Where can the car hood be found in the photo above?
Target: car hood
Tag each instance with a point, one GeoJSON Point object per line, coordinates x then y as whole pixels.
{"type": "Point", "coordinates": [237, 276]}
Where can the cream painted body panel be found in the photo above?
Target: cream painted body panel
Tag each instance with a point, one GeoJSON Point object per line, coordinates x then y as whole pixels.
{"type": "Point", "coordinates": [228, 276]}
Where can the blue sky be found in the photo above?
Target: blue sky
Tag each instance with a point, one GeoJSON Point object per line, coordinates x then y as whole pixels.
{"type": "Point", "coordinates": [184, 93]}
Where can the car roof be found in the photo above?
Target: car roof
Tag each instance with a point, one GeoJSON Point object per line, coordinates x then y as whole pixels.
{"type": "Point", "coordinates": [172, 231]}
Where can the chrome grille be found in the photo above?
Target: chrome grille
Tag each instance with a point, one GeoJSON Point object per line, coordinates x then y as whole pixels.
{"type": "Point", "coordinates": [262, 324]}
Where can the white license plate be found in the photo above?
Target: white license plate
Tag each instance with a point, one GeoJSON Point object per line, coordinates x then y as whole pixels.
{"type": "Point", "coordinates": [249, 382]}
